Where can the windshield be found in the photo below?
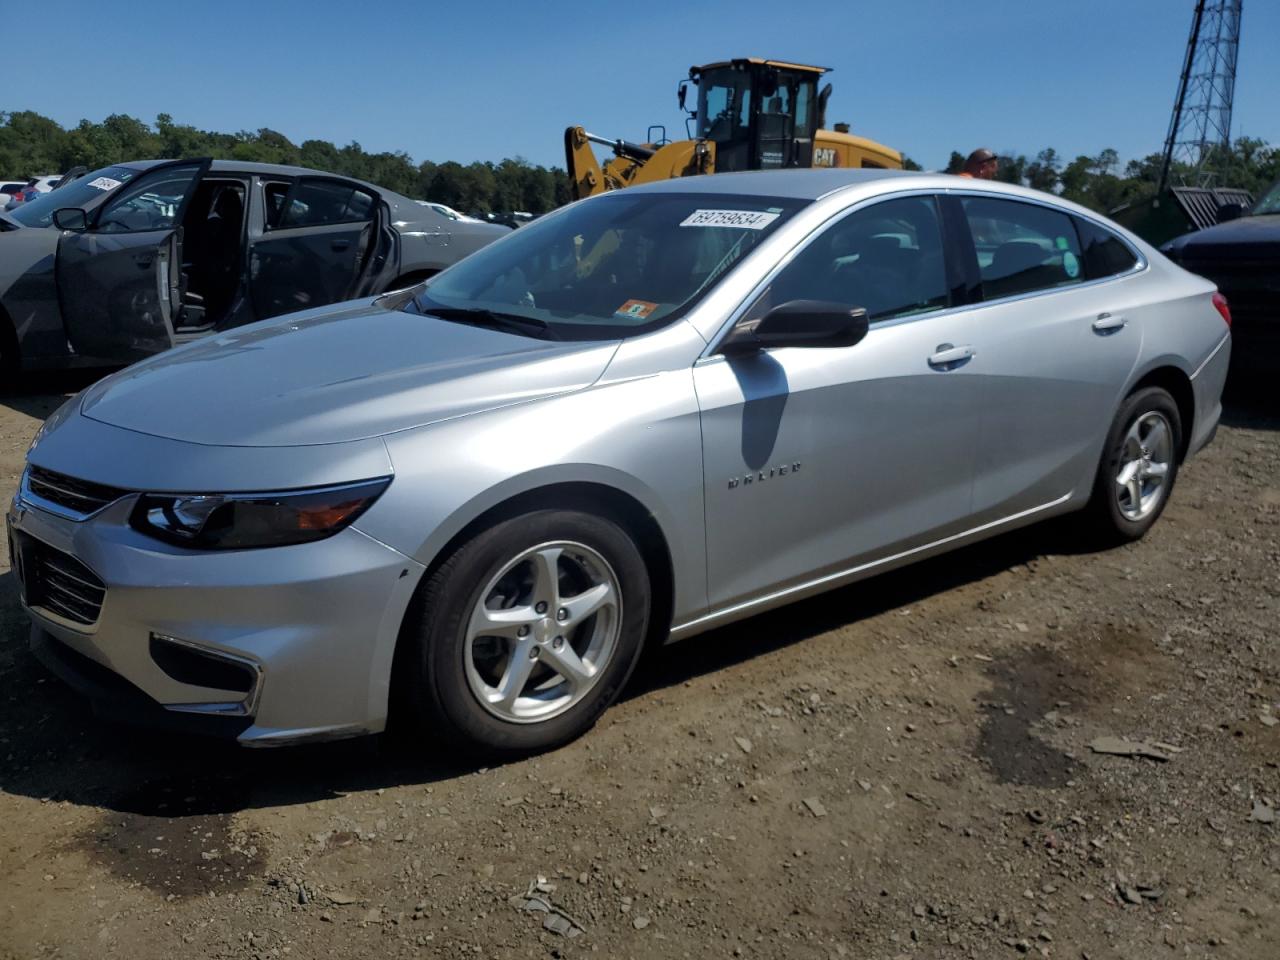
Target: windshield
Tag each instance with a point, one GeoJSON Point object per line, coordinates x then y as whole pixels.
{"type": "Point", "coordinates": [724, 105]}
{"type": "Point", "coordinates": [1270, 202]}
{"type": "Point", "coordinates": [616, 266]}
{"type": "Point", "coordinates": [85, 192]}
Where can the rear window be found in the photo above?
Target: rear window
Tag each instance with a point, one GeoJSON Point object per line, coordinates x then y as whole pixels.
{"type": "Point", "coordinates": [319, 202]}
{"type": "Point", "coordinates": [1022, 247]}
{"type": "Point", "coordinates": [1105, 254]}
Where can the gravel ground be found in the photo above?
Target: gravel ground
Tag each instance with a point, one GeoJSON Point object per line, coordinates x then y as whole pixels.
{"type": "Point", "coordinates": [901, 769]}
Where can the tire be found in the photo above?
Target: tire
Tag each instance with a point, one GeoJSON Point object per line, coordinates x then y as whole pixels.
{"type": "Point", "coordinates": [1145, 436]}
{"type": "Point", "coordinates": [462, 687]}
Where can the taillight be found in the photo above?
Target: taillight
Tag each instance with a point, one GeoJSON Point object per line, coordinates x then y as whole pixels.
{"type": "Point", "coordinates": [1224, 308]}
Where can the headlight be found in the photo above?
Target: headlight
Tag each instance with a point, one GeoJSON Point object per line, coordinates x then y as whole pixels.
{"type": "Point", "coordinates": [242, 521]}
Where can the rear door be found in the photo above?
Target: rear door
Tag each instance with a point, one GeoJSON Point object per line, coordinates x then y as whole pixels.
{"type": "Point", "coordinates": [1057, 343]}
{"type": "Point", "coordinates": [314, 246]}
{"type": "Point", "coordinates": [118, 281]}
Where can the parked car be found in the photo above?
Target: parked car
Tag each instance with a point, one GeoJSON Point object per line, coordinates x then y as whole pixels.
{"type": "Point", "coordinates": [448, 212]}
{"type": "Point", "coordinates": [33, 188]}
{"type": "Point", "coordinates": [156, 253]}
{"type": "Point", "coordinates": [1242, 256]}
{"type": "Point", "coordinates": [645, 415]}
{"type": "Point", "coordinates": [9, 189]}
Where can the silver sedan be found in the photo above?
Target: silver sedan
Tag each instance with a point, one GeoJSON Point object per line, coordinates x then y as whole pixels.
{"type": "Point", "coordinates": [469, 505]}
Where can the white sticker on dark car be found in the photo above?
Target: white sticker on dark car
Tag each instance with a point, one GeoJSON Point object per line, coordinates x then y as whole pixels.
{"type": "Point", "coordinates": [104, 183]}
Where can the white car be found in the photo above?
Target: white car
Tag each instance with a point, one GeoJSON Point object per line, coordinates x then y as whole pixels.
{"type": "Point", "coordinates": [448, 212]}
{"type": "Point", "coordinates": [35, 185]}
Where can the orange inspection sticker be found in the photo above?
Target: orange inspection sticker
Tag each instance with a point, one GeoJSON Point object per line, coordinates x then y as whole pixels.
{"type": "Point", "coordinates": [636, 308]}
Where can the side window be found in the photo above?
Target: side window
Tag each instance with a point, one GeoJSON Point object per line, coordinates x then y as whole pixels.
{"type": "Point", "coordinates": [1105, 254]}
{"type": "Point", "coordinates": [150, 203]}
{"type": "Point", "coordinates": [273, 196]}
{"type": "Point", "coordinates": [887, 258]}
{"type": "Point", "coordinates": [319, 202]}
{"type": "Point", "coordinates": [1022, 247]}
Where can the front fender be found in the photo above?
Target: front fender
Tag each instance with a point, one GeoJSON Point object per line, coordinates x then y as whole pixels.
{"type": "Point", "coordinates": [640, 437]}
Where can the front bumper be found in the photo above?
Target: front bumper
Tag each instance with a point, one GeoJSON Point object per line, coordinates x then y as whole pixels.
{"type": "Point", "coordinates": [313, 626]}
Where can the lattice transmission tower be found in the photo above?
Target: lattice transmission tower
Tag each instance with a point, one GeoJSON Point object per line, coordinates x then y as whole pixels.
{"type": "Point", "coordinates": [1201, 121]}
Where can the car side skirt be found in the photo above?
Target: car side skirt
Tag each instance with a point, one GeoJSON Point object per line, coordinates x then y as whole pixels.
{"type": "Point", "coordinates": [839, 578]}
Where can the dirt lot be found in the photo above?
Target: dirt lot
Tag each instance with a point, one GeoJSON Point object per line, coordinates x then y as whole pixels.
{"type": "Point", "coordinates": [899, 769]}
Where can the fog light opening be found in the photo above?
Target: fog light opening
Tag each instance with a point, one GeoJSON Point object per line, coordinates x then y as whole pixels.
{"type": "Point", "coordinates": [198, 666]}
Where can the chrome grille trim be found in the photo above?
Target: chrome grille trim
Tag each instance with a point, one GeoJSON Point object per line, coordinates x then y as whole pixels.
{"type": "Point", "coordinates": [64, 495]}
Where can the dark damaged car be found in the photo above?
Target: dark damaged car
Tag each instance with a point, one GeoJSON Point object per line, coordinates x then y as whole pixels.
{"type": "Point", "coordinates": [132, 259]}
{"type": "Point", "coordinates": [1242, 256]}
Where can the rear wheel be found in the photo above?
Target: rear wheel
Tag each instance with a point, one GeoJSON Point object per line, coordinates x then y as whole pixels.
{"type": "Point", "coordinates": [526, 634]}
{"type": "Point", "coordinates": [1139, 466]}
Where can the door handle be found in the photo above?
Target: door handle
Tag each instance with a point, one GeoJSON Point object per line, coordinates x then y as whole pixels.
{"type": "Point", "coordinates": [340, 244]}
{"type": "Point", "coordinates": [1107, 324]}
{"type": "Point", "coordinates": [948, 357]}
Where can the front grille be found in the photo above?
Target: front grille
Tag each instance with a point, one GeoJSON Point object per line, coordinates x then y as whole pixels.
{"type": "Point", "coordinates": [80, 497]}
{"type": "Point", "coordinates": [60, 583]}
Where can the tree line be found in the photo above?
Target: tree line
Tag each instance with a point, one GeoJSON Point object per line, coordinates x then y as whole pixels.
{"type": "Point", "coordinates": [33, 144]}
{"type": "Point", "coordinates": [1102, 184]}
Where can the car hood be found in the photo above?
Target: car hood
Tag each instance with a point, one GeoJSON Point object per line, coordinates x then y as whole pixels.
{"type": "Point", "coordinates": [1251, 238]}
{"type": "Point", "coordinates": [336, 374]}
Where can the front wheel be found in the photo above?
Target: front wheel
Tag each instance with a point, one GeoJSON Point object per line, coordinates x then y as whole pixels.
{"type": "Point", "coordinates": [1138, 468]}
{"type": "Point", "coordinates": [526, 634]}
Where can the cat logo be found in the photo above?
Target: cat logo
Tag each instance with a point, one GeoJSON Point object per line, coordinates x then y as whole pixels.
{"type": "Point", "coordinates": [824, 156]}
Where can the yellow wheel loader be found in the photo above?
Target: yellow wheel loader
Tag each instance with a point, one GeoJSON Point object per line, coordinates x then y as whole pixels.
{"type": "Point", "coordinates": [751, 114]}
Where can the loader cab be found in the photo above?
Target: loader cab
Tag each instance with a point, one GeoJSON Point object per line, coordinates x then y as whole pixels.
{"type": "Point", "coordinates": [761, 114]}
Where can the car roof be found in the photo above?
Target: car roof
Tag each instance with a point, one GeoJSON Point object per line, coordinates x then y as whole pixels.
{"type": "Point", "coordinates": [261, 169]}
{"type": "Point", "coordinates": [806, 184]}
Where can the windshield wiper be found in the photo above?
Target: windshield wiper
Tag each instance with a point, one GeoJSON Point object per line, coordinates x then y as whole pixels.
{"type": "Point", "coordinates": [481, 317]}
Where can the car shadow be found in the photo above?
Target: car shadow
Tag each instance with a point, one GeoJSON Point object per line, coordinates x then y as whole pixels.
{"type": "Point", "coordinates": [1251, 400]}
{"type": "Point", "coordinates": [38, 394]}
{"type": "Point", "coordinates": [59, 751]}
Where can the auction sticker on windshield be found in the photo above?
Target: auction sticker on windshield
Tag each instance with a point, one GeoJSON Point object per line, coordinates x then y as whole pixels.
{"type": "Point", "coordinates": [104, 183]}
{"type": "Point", "coordinates": [742, 219]}
{"type": "Point", "coordinates": [638, 309]}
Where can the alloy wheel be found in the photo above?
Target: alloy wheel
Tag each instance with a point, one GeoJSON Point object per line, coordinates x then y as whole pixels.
{"type": "Point", "coordinates": [1146, 456]}
{"type": "Point", "coordinates": [543, 631]}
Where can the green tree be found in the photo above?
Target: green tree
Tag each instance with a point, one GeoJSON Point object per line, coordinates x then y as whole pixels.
{"type": "Point", "coordinates": [1042, 173]}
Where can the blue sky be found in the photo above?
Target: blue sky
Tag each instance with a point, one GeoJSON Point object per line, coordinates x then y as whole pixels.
{"type": "Point", "coordinates": [481, 81]}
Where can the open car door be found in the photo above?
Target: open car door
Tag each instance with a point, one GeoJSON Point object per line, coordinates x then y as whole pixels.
{"type": "Point", "coordinates": [317, 247]}
{"type": "Point", "coordinates": [119, 280]}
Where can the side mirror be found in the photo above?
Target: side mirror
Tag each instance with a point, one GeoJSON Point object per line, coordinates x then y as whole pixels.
{"type": "Point", "coordinates": [681, 92]}
{"type": "Point", "coordinates": [799, 323]}
{"type": "Point", "coordinates": [1230, 211]}
{"type": "Point", "coordinates": [71, 218]}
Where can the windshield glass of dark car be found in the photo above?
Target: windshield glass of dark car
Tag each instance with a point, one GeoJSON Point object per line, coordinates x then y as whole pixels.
{"type": "Point", "coordinates": [85, 192]}
{"type": "Point", "coordinates": [1270, 202]}
{"type": "Point", "coordinates": [617, 266]}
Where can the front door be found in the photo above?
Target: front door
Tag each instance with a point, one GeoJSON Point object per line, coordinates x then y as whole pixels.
{"type": "Point", "coordinates": [817, 460]}
{"type": "Point", "coordinates": [314, 246]}
{"type": "Point", "coordinates": [119, 281]}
